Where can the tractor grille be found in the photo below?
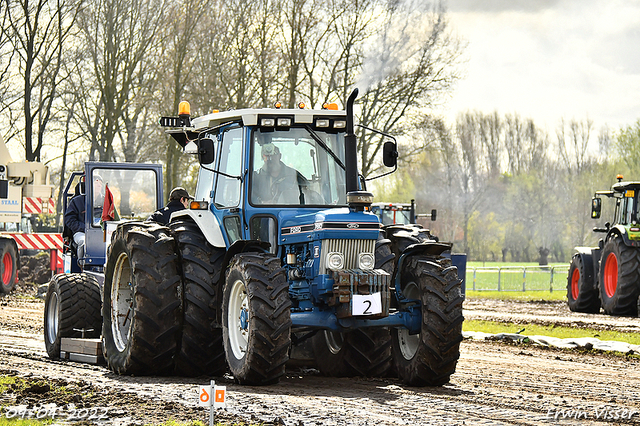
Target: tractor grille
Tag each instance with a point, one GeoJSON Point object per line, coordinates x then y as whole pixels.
{"type": "Point", "coordinates": [350, 249]}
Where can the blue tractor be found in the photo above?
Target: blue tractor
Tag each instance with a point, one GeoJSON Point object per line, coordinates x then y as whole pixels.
{"type": "Point", "coordinates": [279, 249]}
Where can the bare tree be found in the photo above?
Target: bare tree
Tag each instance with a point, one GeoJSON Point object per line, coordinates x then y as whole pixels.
{"type": "Point", "coordinates": [573, 143]}
{"type": "Point", "coordinates": [627, 144]}
{"type": "Point", "coordinates": [118, 36]}
{"type": "Point", "coordinates": [37, 33]}
{"type": "Point", "coordinates": [412, 64]}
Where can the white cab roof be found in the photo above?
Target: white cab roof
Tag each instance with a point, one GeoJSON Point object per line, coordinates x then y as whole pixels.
{"type": "Point", "coordinates": [250, 117]}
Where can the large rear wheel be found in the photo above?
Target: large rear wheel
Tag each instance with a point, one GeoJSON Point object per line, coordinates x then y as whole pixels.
{"type": "Point", "coordinates": [430, 357]}
{"type": "Point", "coordinates": [201, 348]}
{"type": "Point", "coordinates": [256, 318]}
{"type": "Point", "coordinates": [8, 265]}
{"type": "Point", "coordinates": [142, 300]}
{"type": "Point", "coordinates": [71, 309]}
{"type": "Point", "coordinates": [582, 295]}
{"type": "Point", "coordinates": [619, 278]}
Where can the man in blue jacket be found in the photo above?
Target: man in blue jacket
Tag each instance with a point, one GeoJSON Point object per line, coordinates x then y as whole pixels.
{"type": "Point", "coordinates": [75, 214]}
{"type": "Point", "coordinates": [178, 199]}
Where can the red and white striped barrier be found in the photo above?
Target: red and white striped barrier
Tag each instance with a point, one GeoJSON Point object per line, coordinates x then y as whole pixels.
{"type": "Point", "coordinates": [38, 205]}
{"type": "Point", "coordinates": [42, 241]}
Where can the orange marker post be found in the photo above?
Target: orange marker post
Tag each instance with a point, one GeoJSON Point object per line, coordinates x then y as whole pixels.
{"type": "Point", "coordinates": [220, 397]}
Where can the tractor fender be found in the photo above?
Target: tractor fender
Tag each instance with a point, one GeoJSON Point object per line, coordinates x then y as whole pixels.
{"type": "Point", "coordinates": [622, 232]}
{"type": "Point", "coordinates": [430, 248]}
{"type": "Point", "coordinates": [590, 257]}
{"type": "Point", "coordinates": [208, 224]}
{"type": "Point", "coordinates": [244, 246]}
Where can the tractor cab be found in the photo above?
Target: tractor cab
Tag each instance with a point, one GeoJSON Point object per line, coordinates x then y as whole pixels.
{"type": "Point", "coordinates": [625, 217]}
{"type": "Point", "coordinates": [394, 213]}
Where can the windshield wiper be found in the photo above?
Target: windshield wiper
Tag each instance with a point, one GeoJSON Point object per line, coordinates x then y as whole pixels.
{"type": "Point", "coordinates": [316, 138]}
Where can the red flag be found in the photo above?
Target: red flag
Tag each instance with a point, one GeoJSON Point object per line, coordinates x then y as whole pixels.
{"type": "Point", "coordinates": [108, 208]}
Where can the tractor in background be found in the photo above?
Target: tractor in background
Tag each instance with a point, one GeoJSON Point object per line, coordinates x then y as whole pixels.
{"type": "Point", "coordinates": [608, 275]}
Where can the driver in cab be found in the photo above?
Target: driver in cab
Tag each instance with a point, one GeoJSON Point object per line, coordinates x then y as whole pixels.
{"type": "Point", "coordinates": [275, 182]}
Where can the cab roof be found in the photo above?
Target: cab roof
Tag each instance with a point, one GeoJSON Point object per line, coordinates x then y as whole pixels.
{"type": "Point", "coordinates": [251, 117]}
{"type": "Point", "coordinates": [623, 186]}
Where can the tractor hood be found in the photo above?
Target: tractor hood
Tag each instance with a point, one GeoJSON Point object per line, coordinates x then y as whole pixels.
{"type": "Point", "coordinates": [326, 224]}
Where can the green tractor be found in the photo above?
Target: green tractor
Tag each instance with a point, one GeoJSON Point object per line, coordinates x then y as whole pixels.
{"type": "Point", "coordinates": [608, 276]}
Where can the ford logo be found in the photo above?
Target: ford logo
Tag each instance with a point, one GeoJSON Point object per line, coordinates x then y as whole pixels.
{"type": "Point", "coordinates": [352, 225]}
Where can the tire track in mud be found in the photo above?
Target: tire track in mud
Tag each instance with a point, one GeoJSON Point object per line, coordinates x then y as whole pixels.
{"type": "Point", "coordinates": [490, 387]}
{"type": "Point", "coordinates": [495, 383]}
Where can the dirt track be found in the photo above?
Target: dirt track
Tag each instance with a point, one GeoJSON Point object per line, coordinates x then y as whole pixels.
{"type": "Point", "coordinates": [494, 384]}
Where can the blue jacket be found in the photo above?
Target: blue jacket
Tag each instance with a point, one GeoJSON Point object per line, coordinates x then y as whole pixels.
{"type": "Point", "coordinates": [74, 216]}
{"type": "Point", "coordinates": [163, 215]}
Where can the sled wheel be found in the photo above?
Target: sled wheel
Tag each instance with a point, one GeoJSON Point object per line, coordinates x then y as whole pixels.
{"type": "Point", "coordinates": [72, 304]}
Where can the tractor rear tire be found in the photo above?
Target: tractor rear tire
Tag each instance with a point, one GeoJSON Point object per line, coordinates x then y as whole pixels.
{"type": "Point", "coordinates": [201, 347]}
{"type": "Point", "coordinates": [8, 265]}
{"type": "Point", "coordinates": [619, 278]}
{"type": "Point", "coordinates": [72, 304]}
{"type": "Point", "coordinates": [582, 295]}
{"type": "Point", "coordinates": [256, 318]}
{"type": "Point", "coordinates": [361, 352]}
{"type": "Point", "coordinates": [142, 307]}
{"type": "Point", "coordinates": [430, 357]}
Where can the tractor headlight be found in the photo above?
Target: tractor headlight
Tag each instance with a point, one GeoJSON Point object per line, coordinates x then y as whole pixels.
{"type": "Point", "coordinates": [335, 261]}
{"type": "Point", "coordinates": [366, 261]}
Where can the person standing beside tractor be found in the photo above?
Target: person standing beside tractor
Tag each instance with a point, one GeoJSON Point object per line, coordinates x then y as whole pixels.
{"type": "Point", "coordinates": [179, 199]}
{"type": "Point", "coordinates": [74, 217]}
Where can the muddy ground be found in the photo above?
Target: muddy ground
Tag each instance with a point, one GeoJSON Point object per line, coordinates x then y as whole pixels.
{"type": "Point", "coordinates": [495, 383]}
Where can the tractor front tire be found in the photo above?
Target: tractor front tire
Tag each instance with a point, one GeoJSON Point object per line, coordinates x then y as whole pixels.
{"type": "Point", "coordinates": [142, 307]}
{"type": "Point", "coordinates": [619, 278]}
{"type": "Point", "coordinates": [430, 357]}
{"type": "Point", "coordinates": [256, 319]}
{"type": "Point", "coordinates": [8, 265]}
{"type": "Point", "coordinates": [582, 295]}
{"type": "Point", "coordinates": [72, 305]}
{"type": "Point", "coordinates": [201, 348]}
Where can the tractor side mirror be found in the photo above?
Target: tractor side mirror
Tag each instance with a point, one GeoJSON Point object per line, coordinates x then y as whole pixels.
{"type": "Point", "coordinates": [434, 212]}
{"type": "Point", "coordinates": [596, 207]}
{"type": "Point", "coordinates": [206, 151]}
{"type": "Point", "coordinates": [389, 154]}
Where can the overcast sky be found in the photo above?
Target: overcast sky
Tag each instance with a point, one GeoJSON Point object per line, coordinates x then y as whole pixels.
{"type": "Point", "coordinates": [549, 59]}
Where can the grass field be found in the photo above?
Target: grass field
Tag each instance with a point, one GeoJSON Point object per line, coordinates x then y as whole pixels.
{"type": "Point", "coordinates": [518, 295]}
{"type": "Point", "coordinates": [549, 330]}
{"type": "Point", "coordinates": [516, 276]}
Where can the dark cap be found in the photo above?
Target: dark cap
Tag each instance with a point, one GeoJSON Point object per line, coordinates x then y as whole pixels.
{"type": "Point", "coordinates": [270, 149]}
{"type": "Point", "coordinates": [178, 193]}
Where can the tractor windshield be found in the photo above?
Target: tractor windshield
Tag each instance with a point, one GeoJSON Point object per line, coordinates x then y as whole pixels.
{"type": "Point", "coordinates": [298, 166]}
{"type": "Point", "coordinates": [124, 193]}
